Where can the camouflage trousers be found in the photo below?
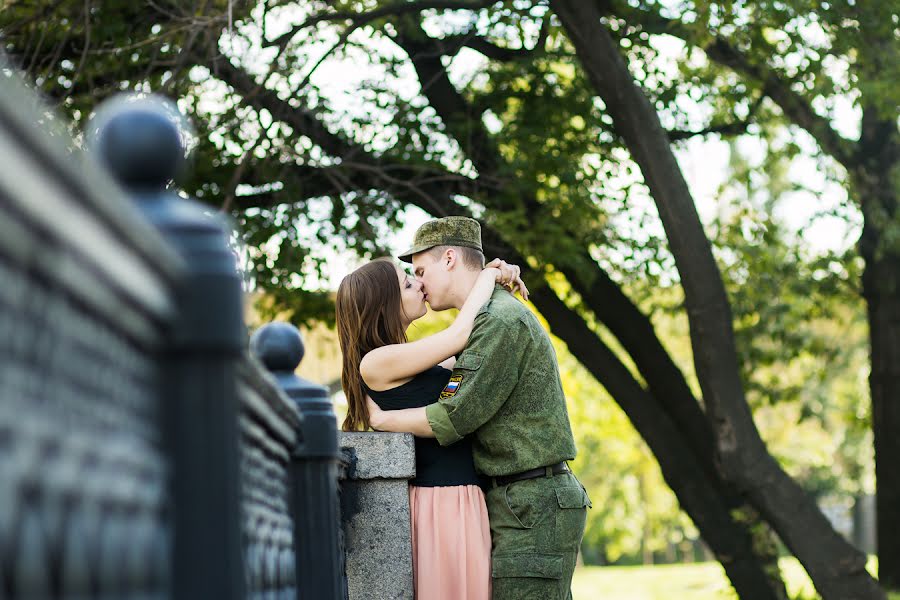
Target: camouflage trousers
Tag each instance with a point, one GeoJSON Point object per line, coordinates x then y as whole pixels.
{"type": "Point", "coordinates": [536, 529]}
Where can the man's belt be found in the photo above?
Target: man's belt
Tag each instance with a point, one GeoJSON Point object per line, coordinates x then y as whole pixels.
{"type": "Point", "coordinates": [548, 471]}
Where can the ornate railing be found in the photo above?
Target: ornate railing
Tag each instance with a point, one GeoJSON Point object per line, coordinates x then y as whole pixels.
{"type": "Point", "coordinates": [143, 454]}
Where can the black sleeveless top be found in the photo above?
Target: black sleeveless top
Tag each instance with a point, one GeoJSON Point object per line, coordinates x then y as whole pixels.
{"type": "Point", "coordinates": [436, 465]}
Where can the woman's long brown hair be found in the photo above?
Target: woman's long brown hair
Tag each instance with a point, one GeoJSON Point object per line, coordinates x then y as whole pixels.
{"type": "Point", "coordinates": [367, 311]}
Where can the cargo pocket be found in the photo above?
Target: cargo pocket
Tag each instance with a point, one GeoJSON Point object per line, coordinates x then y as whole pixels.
{"type": "Point", "coordinates": [527, 577]}
{"type": "Point", "coordinates": [469, 360]}
{"type": "Point", "coordinates": [572, 497]}
{"type": "Point", "coordinates": [570, 520]}
{"type": "Point", "coordinates": [542, 566]}
{"type": "Point", "coordinates": [522, 513]}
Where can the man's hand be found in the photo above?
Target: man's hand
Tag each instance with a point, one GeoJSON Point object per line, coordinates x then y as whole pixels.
{"type": "Point", "coordinates": [376, 415]}
{"type": "Point", "coordinates": [407, 420]}
{"type": "Point", "coordinates": [509, 276]}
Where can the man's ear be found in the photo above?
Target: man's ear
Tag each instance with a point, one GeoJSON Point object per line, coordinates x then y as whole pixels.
{"type": "Point", "coordinates": [449, 258]}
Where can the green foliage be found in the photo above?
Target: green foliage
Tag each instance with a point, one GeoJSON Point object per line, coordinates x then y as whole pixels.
{"type": "Point", "coordinates": [565, 183]}
{"type": "Point", "coordinates": [557, 141]}
{"type": "Point", "coordinates": [800, 332]}
{"type": "Point", "coordinates": [79, 53]}
{"type": "Point", "coordinates": [550, 131]}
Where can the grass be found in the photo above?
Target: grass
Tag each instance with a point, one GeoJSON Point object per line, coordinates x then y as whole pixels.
{"type": "Point", "coordinates": [696, 581]}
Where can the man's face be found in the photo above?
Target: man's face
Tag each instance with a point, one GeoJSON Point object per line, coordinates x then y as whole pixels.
{"type": "Point", "coordinates": [435, 279]}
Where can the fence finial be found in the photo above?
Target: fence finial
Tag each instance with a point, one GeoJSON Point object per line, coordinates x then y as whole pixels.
{"type": "Point", "coordinates": [142, 141]}
{"type": "Point", "coordinates": [278, 346]}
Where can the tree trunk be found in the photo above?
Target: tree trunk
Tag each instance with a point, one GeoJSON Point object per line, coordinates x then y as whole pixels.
{"type": "Point", "coordinates": [665, 381]}
{"type": "Point", "coordinates": [699, 496]}
{"type": "Point", "coordinates": [875, 185]}
{"type": "Point", "coordinates": [881, 287]}
{"type": "Point", "coordinates": [673, 396]}
{"type": "Point", "coordinates": [836, 567]}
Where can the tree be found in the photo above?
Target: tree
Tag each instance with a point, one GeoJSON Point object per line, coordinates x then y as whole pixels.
{"type": "Point", "coordinates": [834, 49]}
{"type": "Point", "coordinates": [523, 147]}
{"type": "Point", "coordinates": [742, 454]}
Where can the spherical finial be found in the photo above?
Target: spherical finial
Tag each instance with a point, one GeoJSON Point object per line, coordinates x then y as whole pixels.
{"type": "Point", "coordinates": [278, 345]}
{"type": "Point", "coordinates": [141, 140]}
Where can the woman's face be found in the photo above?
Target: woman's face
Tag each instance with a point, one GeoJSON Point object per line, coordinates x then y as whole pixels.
{"type": "Point", "coordinates": [412, 298]}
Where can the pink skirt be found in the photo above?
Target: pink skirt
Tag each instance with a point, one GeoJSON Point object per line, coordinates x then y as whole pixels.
{"type": "Point", "coordinates": [451, 543]}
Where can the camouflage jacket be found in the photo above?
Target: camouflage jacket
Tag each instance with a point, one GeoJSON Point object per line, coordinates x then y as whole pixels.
{"type": "Point", "coordinates": [505, 390]}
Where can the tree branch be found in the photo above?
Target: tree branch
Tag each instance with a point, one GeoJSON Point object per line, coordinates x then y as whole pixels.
{"type": "Point", "coordinates": [428, 178]}
{"type": "Point", "coordinates": [41, 14]}
{"type": "Point", "coordinates": [458, 116]}
{"type": "Point", "coordinates": [399, 8]}
{"type": "Point", "coordinates": [796, 108]}
{"type": "Point", "coordinates": [724, 129]}
{"type": "Point", "coordinates": [410, 184]}
{"type": "Point", "coordinates": [298, 117]}
{"type": "Point", "coordinates": [451, 45]}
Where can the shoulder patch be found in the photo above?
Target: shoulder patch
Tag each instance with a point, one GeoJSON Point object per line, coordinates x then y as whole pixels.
{"type": "Point", "coordinates": [452, 387]}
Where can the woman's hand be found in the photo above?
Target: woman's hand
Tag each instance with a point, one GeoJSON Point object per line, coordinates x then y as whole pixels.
{"type": "Point", "coordinates": [509, 277]}
{"type": "Point", "coordinates": [376, 415]}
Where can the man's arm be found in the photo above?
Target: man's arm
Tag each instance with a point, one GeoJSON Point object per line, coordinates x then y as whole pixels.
{"type": "Point", "coordinates": [407, 420]}
{"type": "Point", "coordinates": [483, 379]}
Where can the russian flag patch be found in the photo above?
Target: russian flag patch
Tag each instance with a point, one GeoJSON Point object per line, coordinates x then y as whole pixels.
{"type": "Point", "coordinates": [452, 386]}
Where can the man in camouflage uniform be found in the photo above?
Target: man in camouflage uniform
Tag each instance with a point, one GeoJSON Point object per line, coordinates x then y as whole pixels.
{"type": "Point", "coordinates": [505, 390]}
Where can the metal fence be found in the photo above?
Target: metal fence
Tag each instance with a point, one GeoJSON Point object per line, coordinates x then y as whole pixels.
{"type": "Point", "coordinates": [143, 454]}
{"type": "Point", "coordinates": [269, 433]}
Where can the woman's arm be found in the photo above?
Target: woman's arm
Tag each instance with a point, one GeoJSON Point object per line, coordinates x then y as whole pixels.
{"type": "Point", "coordinates": [407, 420]}
{"type": "Point", "coordinates": [386, 366]}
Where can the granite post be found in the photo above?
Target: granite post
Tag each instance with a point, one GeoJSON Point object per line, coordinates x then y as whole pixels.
{"type": "Point", "coordinates": [375, 514]}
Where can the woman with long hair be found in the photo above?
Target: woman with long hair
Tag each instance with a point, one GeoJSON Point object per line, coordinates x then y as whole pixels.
{"type": "Point", "coordinates": [450, 532]}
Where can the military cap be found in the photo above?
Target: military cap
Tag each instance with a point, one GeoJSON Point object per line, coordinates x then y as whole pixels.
{"type": "Point", "coordinates": [448, 231]}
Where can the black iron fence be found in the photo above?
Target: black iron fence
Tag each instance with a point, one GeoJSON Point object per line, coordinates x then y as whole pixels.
{"type": "Point", "coordinates": [143, 454]}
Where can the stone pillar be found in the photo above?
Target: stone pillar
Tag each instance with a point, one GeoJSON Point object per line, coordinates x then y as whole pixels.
{"type": "Point", "coordinates": [375, 514]}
